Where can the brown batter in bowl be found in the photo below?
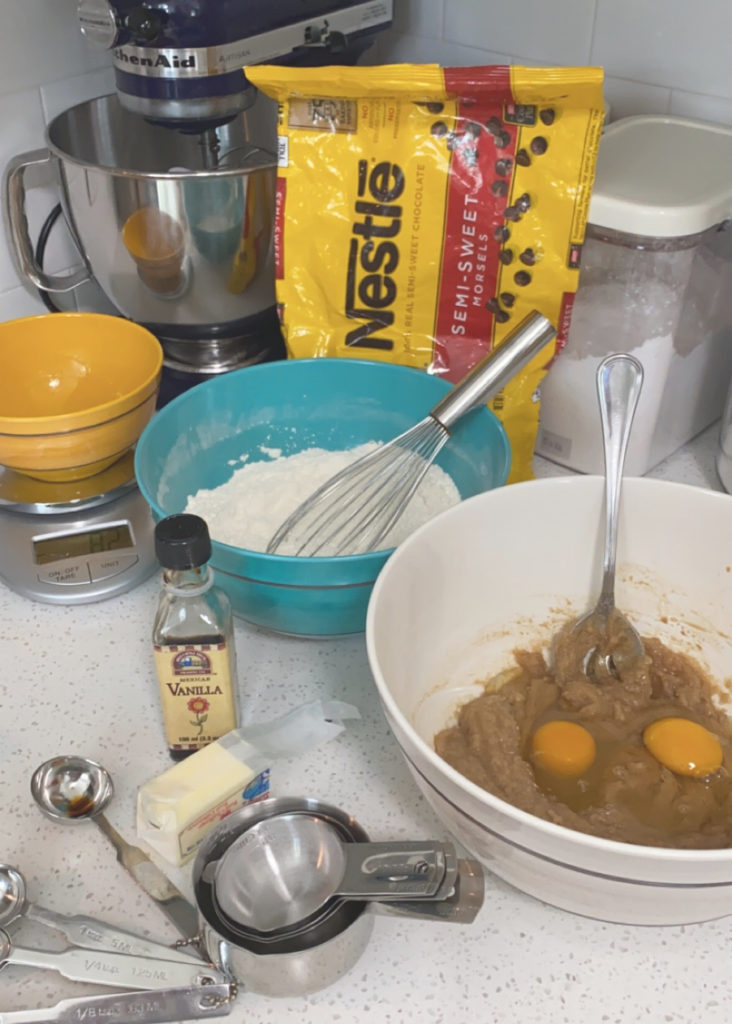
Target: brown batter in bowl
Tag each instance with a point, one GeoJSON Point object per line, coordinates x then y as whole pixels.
{"type": "Point", "coordinates": [626, 794]}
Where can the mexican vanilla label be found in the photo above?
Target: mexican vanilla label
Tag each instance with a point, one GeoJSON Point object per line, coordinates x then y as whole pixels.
{"type": "Point", "coordinates": [196, 693]}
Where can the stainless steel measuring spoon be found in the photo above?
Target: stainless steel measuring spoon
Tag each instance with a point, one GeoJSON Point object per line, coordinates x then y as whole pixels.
{"type": "Point", "coordinates": [173, 1004]}
{"type": "Point", "coordinates": [117, 970]}
{"type": "Point", "coordinates": [87, 932]}
{"type": "Point", "coordinates": [73, 789]}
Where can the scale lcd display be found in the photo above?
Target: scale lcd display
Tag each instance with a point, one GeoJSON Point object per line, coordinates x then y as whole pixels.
{"type": "Point", "coordinates": [77, 545]}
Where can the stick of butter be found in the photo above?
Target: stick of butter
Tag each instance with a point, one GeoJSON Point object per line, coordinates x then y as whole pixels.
{"type": "Point", "coordinates": [176, 810]}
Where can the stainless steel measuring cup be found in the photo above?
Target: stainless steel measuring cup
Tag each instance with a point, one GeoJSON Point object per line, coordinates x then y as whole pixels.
{"type": "Point", "coordinates": [315, 952]}
{"type": "Point", "coordinates": [283, 869]}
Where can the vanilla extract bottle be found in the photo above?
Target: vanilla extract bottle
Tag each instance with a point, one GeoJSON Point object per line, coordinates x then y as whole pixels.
{"type": "Point", "coordinates": [193, 640]}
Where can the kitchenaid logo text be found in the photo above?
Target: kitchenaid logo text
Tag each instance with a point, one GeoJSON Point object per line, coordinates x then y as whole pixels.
{"type": "Point", "coordinates": [170, 59]}
{"type": "Point", "coordinates": [370, 287]}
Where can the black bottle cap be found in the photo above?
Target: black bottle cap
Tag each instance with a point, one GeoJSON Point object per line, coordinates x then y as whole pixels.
{"type": "Point", "coordinates": [182, 542]}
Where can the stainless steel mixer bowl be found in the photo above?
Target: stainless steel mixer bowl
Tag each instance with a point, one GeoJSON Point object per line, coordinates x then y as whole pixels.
{"type": "Point", "coordinates": [176, 228]}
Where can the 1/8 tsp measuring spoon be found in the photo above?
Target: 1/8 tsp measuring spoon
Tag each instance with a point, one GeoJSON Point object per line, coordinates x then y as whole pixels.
{"type": "Point", "coordinates": [159, 1007]}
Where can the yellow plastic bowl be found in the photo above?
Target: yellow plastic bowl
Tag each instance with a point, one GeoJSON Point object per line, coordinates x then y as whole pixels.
{"type": "Point", "coordinates": [78, 390]}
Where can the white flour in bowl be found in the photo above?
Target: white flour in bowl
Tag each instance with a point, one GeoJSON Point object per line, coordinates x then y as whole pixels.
{"type": "Point", "coordinates": [247, 509]}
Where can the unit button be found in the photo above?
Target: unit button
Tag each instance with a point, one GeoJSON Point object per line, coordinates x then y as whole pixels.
{"type": "Point", "coordinates": [112, 565]}
{"type": "Point", "coordinates": [67, 575]}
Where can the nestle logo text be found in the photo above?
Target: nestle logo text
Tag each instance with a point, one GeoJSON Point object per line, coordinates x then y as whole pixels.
{"type": "Point", "coordinates": [370, 286]}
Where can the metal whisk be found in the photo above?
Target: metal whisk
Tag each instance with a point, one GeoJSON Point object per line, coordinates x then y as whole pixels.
{"type": "Point", "coordinates": [353, 511]}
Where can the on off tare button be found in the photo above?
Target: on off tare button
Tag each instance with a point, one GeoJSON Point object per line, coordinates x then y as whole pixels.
{"type": "Point", "coordinates": [70, 575]}
{"type": "Point", "coordinates": [104, 568]}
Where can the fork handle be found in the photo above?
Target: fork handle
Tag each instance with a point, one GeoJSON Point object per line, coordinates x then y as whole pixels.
{"type": "Point", "coordinates": [494, 371]}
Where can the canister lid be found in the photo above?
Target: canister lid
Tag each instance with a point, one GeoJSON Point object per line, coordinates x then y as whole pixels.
{"type": "Point", "coordinates": [662, 177]}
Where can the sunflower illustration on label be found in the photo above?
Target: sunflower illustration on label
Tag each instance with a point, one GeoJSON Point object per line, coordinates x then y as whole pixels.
{"type": "Point", "coordinates": [199, 706]}
{"type": "Point", "coordinates": [196, 692]}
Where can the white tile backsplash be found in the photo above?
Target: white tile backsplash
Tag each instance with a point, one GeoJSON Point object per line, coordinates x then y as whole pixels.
{"type": "Point", "coordinates": [701, 107]}
{"type": "Point", "coordinates": [41, 43]}
{"type": "Point", "coordinates": [420, 17]}
{"type": "Point", "coordinates": [659, 56]}
{"type": "Point", "coordinates": [428, 50]}
{"type": "Point", "coordinates": [20, 301]}
{"type": "Point", "coordinates": [61, 95]}
{"type": "Point", "coordinates": [45, 67]}
{"type": "Point", "coordinates": [628, 98]}
{"type": "Point", "coordinates": [555, 31]}
{"type": "Point", "coordinates": [21, 115]}
{"type": "Point", "coordinates": [667, 42]}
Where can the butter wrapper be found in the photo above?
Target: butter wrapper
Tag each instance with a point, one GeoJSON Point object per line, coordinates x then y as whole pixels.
{"type": "Point", "coordinates": [176, 810]}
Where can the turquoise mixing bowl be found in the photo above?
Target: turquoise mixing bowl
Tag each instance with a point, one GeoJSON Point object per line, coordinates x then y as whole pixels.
{"type": "Point", "coordinates": [198, 439]}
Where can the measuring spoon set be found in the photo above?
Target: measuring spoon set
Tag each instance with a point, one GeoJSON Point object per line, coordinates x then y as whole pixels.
{"type": "Point", "coordinates": [105, 955]}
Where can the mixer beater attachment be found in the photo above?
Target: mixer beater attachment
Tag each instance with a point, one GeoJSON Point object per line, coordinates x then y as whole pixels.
{"type": "Point", "coordinates": [353, 511]}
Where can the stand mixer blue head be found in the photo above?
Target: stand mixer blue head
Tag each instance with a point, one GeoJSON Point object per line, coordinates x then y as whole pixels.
{"type": "Point", "coordinates": [180, 63]}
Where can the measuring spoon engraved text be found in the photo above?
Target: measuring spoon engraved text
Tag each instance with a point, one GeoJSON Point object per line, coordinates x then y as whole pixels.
{"type": "Point", "coordinates": [86, 932]}
{"type": "Point", "coordinates": [174, 1004]}
{"type": "Point", "coordinates": [118, 970]}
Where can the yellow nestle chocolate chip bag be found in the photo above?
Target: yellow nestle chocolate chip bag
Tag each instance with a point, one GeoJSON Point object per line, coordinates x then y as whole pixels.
{"type": "Point", "coordinates": [422, 212]}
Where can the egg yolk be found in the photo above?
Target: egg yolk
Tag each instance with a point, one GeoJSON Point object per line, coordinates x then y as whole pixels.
{"type": "Point", "coordinates": [684, 747]}
{"type": "Point", "coordinates": [563, 748]}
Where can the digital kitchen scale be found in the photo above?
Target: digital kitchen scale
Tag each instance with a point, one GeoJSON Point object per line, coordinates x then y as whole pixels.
{"type": "Point", "coordinates": [76, 542]}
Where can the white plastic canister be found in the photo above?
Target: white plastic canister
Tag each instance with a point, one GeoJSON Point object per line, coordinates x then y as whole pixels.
{"type": "Point", "coordinates": [655, 280]}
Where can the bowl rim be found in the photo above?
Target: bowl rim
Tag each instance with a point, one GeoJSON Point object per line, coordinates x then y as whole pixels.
{"type": "Point", "coordinates": [90, 416]}
{"type": "Point", "coordinates": [40, 435]}
{"type": "Point", "coordinates": [552, 830]}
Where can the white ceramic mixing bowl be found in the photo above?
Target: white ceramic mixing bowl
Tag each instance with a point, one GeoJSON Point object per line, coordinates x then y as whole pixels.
{"type": "Point", "coordinates": [504, 570]}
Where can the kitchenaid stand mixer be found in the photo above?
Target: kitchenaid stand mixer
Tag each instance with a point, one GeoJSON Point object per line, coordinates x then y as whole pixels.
{"type": "Point", "coordinates": [168, 185]}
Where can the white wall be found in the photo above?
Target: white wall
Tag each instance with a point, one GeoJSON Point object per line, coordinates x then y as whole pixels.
{"type": "Point", "coordinates": [45, 67]}
{"type": "Point", "coordinates": [660, 56]}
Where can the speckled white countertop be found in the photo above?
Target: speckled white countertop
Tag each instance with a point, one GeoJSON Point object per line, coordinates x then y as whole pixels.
{"type": "Point", "coordinates": [80, 680]}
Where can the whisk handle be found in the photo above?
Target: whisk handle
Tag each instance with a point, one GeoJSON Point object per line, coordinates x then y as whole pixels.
{"type": "Point", "coordinates": [489, 375]}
